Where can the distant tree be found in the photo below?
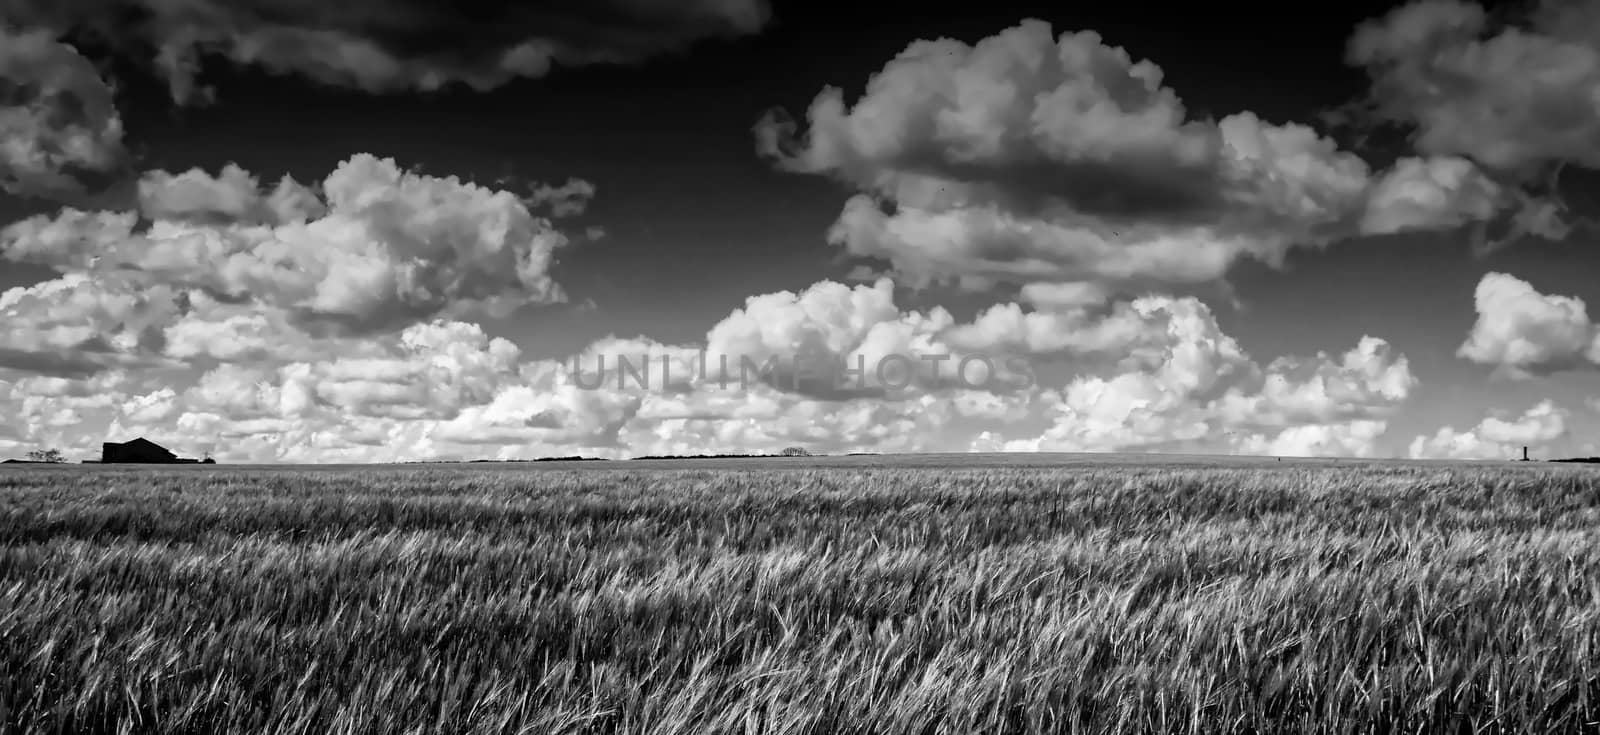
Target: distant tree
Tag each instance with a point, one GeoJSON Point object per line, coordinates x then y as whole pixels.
{"type": "Point", "coordinates": [794, 452]}
{"type": "Point", "coordinates": [46, 455]}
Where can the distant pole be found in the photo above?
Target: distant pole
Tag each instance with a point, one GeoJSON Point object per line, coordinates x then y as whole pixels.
{"type": "Point", "coordinates": [1525, 454]}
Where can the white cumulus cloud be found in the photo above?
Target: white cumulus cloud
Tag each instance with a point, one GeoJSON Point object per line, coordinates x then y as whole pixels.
{"type": "Point", "coordinates": [372, 249]}
{"type": "Point", "coordinates": [1496, 437]}
{"type": "Point", "coordinates": [1522, 332]}
{"type": "Point", "coordinates": [58, 122]}
{"type": "Point", "coordinates": [1038, 158]}
{"type": "Point", "coordinates": [1517, 98]}
{"type": "Point", "coordinates": [1156, 374]}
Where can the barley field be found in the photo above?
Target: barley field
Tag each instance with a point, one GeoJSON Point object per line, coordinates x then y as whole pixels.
{"type": "Point", "coordinates": [802, 597]}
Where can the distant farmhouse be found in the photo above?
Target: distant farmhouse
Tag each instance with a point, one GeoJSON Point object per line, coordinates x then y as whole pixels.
{"type": "Point", "coordinates": [141, 451]}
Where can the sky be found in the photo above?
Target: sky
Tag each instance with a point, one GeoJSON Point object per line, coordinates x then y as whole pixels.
{"type": "Point", "coordinates": [287, 232]}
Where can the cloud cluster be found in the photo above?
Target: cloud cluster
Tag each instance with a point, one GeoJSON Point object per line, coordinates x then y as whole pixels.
{"type": "Point", "coordinates": [332, 320]}
{"type": "Point", "coordinates": [1184, 383]}
{"type": "Point", "coordinates": [1521, 332]}
{"type": "Point", "coordinates": [566, 200]}
{"type": "Point", "coordinates": [59, 128]}
{"type": "Point", "coordinates": [372, 249]}
{"type": "Point", "coordinates": [79, 325]}
{"type": "Point", "coordinates": [1348, 439]}
{"type": "Point", "coordinates": [383, 46]}
{"type": "Point", "coordinates": [1031, 157]}
{"type": "Point", "coordinates": [57, 411]}
{"type": "Point", "coordinates": [1516, 95]}
{"type": "Point", "coordinates": [1513, 98]}
{"type": "Point", "coordinates": [1496, 437]}
{"type": "Point", "coordinates": [1154, 374]}
{"type": "Point", "coordinates": [1437, 192]}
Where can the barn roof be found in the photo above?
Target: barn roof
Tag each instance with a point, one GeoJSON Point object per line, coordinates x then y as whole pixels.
{"type": "Point", "coordinates": [140, 442]}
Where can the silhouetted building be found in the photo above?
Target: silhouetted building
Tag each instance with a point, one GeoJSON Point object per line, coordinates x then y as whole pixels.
{"type": "Point", "coordinates": [138, 451]}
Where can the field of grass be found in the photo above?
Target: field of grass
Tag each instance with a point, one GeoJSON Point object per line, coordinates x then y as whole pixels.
{"type": "Point", "coordinates": [1292, 597]}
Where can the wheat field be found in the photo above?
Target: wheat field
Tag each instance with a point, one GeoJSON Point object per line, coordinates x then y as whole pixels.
{"type": "Point", "coordinates": [859, 598]}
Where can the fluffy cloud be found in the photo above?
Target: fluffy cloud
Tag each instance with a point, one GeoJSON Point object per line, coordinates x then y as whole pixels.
{"type": "Point", "coordinates": [1325, 389]}
{"type": "Point", "coordinates": [1350, 439]}
{"type": "Point", "coordinates": [1438, 192]}
{"type": "Point", "coordinates": [77, 324]}
{"type": "Point", "coordinates": [1185, 383]}
{"type": "Point", "coordinates": [318, 318]}
{"type": "Point", "coordinates": [1496, 437]}
{"type": "Point", "coordinates": [382, 46]}
{"type": "Point", "coordinates": [1154, 374]}
{"type": "Point", "coordinates": [567, 200]}
{"type": "Point", "coordinates": [71, 240]}
{"type": "Point", "coordinates": [151, 407]}
{"type": "Point", "coordinates": [52, 412]}
{"type": "Point", "coordinates": [1522, 332]}
{"type": "Point", "coordinates": [233, 196]}
{"type": "Point", "coordinates": [1034, 158]}
{"type": "Point", "coordinates": [1511, 98]}
{"type": "Point", "coordinates": [1050, 296]}
{"type": "Point", "coordinates": [831, 326]}
{"type": "Point", "coordinates": [436, 369]}
{"type": "Point", "coordinates": [377, 249]}
{"type": "Point", "coordinates": [347, 405]}
{"type": "Point", "coordinates": [58, 124]}
{"type": "Point", "coordinates": [1519, 99]}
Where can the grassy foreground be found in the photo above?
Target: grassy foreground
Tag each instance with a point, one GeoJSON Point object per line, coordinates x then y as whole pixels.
{"type": "Point", "coordinates": [1265, 599]}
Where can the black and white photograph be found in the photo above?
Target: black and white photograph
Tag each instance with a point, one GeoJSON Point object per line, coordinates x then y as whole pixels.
{"type": "Point", "coordinates": [799, 367]}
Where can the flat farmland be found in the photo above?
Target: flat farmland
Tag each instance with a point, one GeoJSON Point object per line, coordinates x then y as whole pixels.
{"type": "Point", "coordinates": [934, 594]}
